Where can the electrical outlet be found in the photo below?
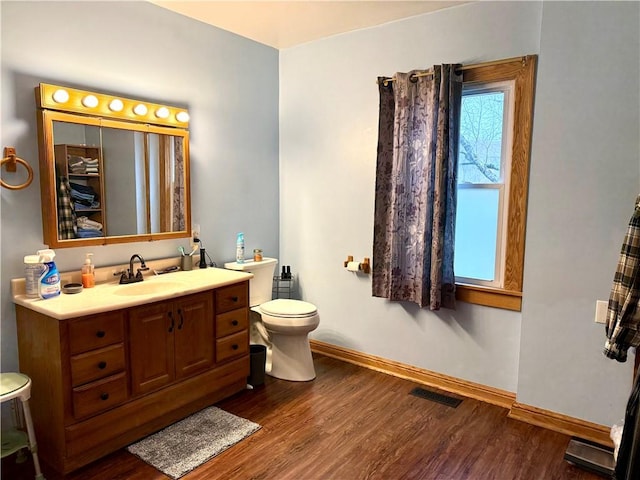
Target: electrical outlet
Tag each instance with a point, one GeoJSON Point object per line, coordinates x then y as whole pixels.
{"type": "Point", "coordinates": [195, 234]}
{"type": "Point", "coordinates": [601, 311]}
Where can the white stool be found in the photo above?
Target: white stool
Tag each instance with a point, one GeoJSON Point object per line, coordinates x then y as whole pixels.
{"type": "Point", "coordinates": [18, 385]}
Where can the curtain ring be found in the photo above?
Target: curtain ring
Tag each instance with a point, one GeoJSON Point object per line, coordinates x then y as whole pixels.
{"type": "Point", "coordinates": [413, 78]}
{"type": "Point", "coordinates": [26, 165]}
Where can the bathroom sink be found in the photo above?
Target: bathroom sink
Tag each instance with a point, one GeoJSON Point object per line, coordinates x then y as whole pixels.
{"type": "Point", "coordinates": [149, 288]}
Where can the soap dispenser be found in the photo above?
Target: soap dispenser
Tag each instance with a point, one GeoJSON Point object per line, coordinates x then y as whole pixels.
{"type": "Point", "coordinates": [88, 273]}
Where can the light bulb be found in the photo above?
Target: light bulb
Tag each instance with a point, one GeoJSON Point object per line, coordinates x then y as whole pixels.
{"type": "Point", "coordinates": [90, 101]}
{"type": "Point", "coordinates": [140, 109]}
{"type": "Point", "coordinates": [116, 105]}
{"type": "Point", "coordinates": [162, 112]}
{"type": "Point", "coordinates": [61, 96]}
{"type": "Point", "coordinates": [182, 117]}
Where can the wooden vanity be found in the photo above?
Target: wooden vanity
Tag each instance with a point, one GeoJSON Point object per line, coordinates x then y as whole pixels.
{"type": "Point", "coordinates": [103, 380]}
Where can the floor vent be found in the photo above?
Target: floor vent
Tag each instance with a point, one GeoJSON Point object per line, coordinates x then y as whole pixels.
{"type": "Point", "coordinates": [436, 397]}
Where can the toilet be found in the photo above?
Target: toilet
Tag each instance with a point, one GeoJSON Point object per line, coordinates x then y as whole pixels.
{"type": "Point", "coordinates": [282, 325]}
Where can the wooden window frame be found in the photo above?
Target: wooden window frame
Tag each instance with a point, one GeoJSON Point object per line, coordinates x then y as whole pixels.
{"type": "Point", "coordinates": [522, 71]}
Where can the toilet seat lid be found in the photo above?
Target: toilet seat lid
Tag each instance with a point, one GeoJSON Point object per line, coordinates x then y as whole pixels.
{"type": "Point", "coordinates": [283, 307]}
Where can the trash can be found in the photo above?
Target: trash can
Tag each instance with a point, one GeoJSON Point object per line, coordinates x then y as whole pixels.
{"type": "Point", "coordinates": [258, 354]}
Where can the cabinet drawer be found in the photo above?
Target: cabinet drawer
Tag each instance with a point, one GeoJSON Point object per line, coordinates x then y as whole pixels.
{"type": "Point", "coordinates": [232, 297]}
{"type": "Point", "coordinates": [232, 322]}
{"type": "Point", "coordinates": [90, 366]}
{"type": "Point", "coordinates": [95, 332]}
{"type": "Point", "coordinates": [232, 346]}
{"type": "Point", "coordinates": [99, 396]}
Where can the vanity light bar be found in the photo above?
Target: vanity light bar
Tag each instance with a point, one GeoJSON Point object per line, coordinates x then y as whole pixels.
{"type": "Point", "coordinates": [65, 99]}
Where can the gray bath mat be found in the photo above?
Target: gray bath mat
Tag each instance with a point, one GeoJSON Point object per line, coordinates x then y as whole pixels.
{"type": "Point", "coordinates": [187, 444]}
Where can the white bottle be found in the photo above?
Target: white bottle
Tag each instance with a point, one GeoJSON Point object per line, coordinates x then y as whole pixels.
{"type": "Point", "coordinates": [33, 268]}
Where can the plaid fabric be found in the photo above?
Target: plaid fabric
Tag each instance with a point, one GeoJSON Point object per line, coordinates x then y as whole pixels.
{"type": "Point", "coordinates": [623, 315]}
{"type": "Point", "coordinates": [66, 212]}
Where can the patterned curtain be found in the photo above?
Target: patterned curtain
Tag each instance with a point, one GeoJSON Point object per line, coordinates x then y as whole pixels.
{"type": "Point", "coordinates": [178, 218]}
{"type": "Point", "coordinates": [415, 198]}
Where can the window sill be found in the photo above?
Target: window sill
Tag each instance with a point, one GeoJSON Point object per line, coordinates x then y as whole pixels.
{"type": "Point", "coordinates": [490, 297]}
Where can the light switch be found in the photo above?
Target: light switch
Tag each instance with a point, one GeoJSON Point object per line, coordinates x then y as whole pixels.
{"type": "Point", "coordinates": [601, 311]}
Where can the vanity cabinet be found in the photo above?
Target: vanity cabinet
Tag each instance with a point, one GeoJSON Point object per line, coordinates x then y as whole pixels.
{"type": "Point", "coordinates": [104, 381]}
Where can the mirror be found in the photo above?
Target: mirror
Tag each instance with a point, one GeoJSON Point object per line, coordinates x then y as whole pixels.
{"type": "Point", "coordinates": [108, 180]}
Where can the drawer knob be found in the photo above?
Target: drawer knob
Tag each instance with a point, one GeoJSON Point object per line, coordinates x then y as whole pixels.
{"type": "Point", "coordinates": [104, 396]}
{"type": "Point", "coordinates": [235, 299]}
{"type": "Point", "coordinates": [234, 323]}
{"type": "Point", "coordinates": [102, 365]}
{"type": "Point", "coordinates": [234, 347]}
{"type": "Point", "coordinates": [100, 333]}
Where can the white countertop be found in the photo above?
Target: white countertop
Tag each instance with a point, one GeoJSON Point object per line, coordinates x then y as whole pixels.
{"type": "Point", "coordinates": [113, 296]}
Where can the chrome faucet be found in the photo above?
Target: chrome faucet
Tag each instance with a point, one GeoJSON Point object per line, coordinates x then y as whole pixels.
{"type": "Point", "coordinates": [128, 276]}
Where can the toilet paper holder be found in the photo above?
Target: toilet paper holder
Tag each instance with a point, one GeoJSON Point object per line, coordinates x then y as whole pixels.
{"type": "Point", "coordinates": [364, 266]}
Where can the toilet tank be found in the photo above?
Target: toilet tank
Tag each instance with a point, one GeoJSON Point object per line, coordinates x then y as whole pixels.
{"type": "Point", "coordinates": [261, 285]}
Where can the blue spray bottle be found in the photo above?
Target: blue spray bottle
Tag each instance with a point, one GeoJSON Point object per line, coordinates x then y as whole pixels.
{"type": "Point", "coordinates": [49, 282]}
{"type": "Point", "coordinates": [240, 248]}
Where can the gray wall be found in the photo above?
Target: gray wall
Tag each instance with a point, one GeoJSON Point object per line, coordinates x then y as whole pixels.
{"type": "Point", "coordinates": [328, 146]}
{"type": "Point", "coordinates": [584, 178]}
{"type": "Point", "coordinates": [584, 182]}
{"type": "Point", "coordinates": [139, 50]}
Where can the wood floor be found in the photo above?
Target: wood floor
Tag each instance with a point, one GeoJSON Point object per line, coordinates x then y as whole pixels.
{"type": "Point", "coordinates": [352, 423]}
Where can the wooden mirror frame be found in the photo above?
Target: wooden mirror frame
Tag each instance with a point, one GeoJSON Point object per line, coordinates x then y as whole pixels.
{"type": "Point", "coordinates": [72, 110]}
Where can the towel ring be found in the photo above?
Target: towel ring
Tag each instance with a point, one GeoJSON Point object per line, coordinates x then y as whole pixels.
{"type": "Point", "coordinates": [14, 159]}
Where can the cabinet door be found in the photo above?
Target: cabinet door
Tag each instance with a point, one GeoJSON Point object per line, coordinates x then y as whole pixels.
{"type": "Point", "coordinates": [194, 341]}
{"type": "Point", "coordinates": [151, 338]}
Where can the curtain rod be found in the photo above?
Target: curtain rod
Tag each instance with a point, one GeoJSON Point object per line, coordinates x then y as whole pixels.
{"type": "Point", "coordinates": [385, 81]}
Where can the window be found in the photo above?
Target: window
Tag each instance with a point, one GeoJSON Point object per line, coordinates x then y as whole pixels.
{"type": "Point", "coordinates": [493, 174]}
{"type": "Point", "coordinates": [484, 158]}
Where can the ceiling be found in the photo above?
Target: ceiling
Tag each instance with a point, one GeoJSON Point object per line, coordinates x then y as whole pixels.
{"type": "Point", "coordinates": [286, 24]}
